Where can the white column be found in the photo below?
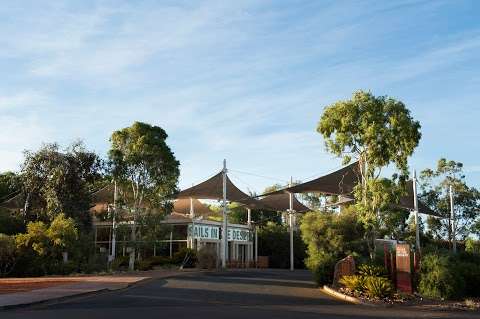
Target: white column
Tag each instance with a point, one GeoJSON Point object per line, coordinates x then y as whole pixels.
{"type": "Point", "coordinates": [452, 217]}
{"type": "Point", "coordinates": [415, 209]}
{"type": "Point", "coordinates": [224, 213]}
{"type": "Point", "coordinates": [249, 216]}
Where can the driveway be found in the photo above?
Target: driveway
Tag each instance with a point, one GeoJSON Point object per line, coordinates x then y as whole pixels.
{"type": "Point", "coordinates": [229, 294]}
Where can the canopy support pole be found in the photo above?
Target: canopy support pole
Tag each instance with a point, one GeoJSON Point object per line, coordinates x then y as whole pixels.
{"type": "Point", "coordinates": [415, 208]}
{"type": "Point", "coordinates": [249, 216]}
{"type": "Point", "coordinates": [114, 226]}
{"type": "Point", "coordinates": [290, 215]}
{"type": "Point", "coordinates": [224, 213]}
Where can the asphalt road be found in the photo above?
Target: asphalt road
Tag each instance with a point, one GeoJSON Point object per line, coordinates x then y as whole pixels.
{"type": "Point", "coordinates": [230, 295]}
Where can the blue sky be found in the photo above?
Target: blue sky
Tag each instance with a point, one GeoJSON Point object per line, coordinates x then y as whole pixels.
{"type": "Point", "coordinates": [241, 80]}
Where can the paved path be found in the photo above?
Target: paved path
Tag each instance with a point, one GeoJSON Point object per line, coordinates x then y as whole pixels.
{"type": "Point", "coordinates": [229, 295]}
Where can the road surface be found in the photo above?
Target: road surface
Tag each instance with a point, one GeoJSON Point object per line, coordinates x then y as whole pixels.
{"type": "Point", "coordinates": [230, 295]}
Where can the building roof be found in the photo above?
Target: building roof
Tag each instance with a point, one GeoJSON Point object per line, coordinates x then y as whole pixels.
{"type": "Point", "coordinates": [182, 206]}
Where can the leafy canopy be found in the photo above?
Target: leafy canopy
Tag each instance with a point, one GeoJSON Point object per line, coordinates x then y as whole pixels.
{"type": "Point", "coordinates": [142, 160]}
{"type": "Point", "coordinates": [56, 181]}
{"type": "Point", "coordinates": [435, 184]}
{"type": "Point", "coordinates": [378, 130]}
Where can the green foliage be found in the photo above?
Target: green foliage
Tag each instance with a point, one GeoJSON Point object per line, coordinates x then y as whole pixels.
{"type": "Point", "coordinates": [11, 223]}
{"type": "Point", "coordinates": [353, 282]}
{"type": "Point", "coordinates": [207, 258]}
{"type": "Point", "coordinates": [378, 287]}
{"type": "Point", "coordinates": [143, 265]}
{"type": "Point", "coordinates": [370, 270]}
{"type": "Point", "coordinates": [376, 131]}
{"type": "Point", "coordinates": [62, 232]}
{"type": "Point", "coordinates": [472, 246]}
{"type": "Point", "coordinates": [379, 130]}
{"type": "Point", "coordinates": [52, 240]}
{"type": "Point", "coordinates": [10, 184]}
{"type": "Point", "coordinates": [8, 254]}
{"type": "Point", "coordinates": [329, 237]}
{"type": "Point", "coordinates": [274, 241]}
{"type": "Point", "coordinates": [439, 277]}
{"type": "Point", "coordinates": [54, 182]}
{"type": "Point", "coordinates": [120, 263]}
{"type": "Point", "coordinates": [187, 255]}
{"type": "Point", "coordinates": [147, 172]}
{"type": "Point", "coordinates": [435, 186]}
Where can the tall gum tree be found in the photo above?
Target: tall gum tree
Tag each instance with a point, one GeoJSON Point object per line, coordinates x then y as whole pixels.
{"type": "Point", "coordinates": [435, 185]}
{"type": "Point", "coordinates": [145, 168]}
{"type": "Point", "coordinates": [377, 131]}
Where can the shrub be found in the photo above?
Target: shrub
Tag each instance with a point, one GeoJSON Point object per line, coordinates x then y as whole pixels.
{"type": "Point", "coordinates": [143, 265]}
{"type": "Point", "coordinates": [160, 260]}
{"type": "Point", "coordinates": [370, 270]}
{"type": "Point", "coordinates": [378, 287]}
{"type": "Point", "coordinates": [8, 254]}
{"type": "Point", "coordinates": [322, 267]}
{"type": "Point", "coordinates": [120, 262]}
{"type": "Point", "coordinates": [186, 255]}
{"type": "Point", "coordinates": [207, 258]}
{"type": "Point", "coordinates": [353, 282]}
{"type": "Point", "coordinates": [439, 277]}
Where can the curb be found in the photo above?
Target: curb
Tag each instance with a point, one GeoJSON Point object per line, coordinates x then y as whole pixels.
{"type": "Point", "coordinates": [338, 295]}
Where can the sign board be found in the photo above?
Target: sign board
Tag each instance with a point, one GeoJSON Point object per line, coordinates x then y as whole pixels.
{"type": "Point", "coordinates": [201, 231]}
{"type": "Point", "coordinates": [404, 268]}
{"type": "Point", "coordinates": [238, 234]}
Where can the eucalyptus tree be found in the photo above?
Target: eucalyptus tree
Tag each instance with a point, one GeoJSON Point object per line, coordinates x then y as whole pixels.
{"type": "Point", "coordinates": [145, 168]}
{"type": "Point", "coordinates": [377, 131]}
{"type": "Point", "coordinates": [435, 185]}
{"type": "Point", "coordinates": [58, 181]}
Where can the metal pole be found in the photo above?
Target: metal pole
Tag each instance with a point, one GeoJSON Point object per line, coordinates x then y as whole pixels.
{"type": "Point", "coordinates": [171, 246]}
{"type": "Point", "coordinates": [249, 216]}
{"type": "Point", "coordinates": [256, 247]}
{"type": "Point", "coordinates": [114, 225]}
{"type": "Point", "coordinates": [290, 214]}
{"type": "Point", "coordinates": [452, 217]}
{"type": "Point", "coordinates": [415, 208]}
{"type": "Point", "coordinates": [225, 223]}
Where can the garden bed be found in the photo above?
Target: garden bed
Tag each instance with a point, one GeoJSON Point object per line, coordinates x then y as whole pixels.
{"type": "Point", "coordinates": [415, 300]}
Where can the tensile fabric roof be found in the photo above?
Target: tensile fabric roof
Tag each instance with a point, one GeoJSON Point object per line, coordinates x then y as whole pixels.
{"type": "Point", "coordinates": [281, 202]}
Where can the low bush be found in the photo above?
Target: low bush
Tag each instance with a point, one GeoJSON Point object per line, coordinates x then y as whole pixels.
{"type": "Point", "coordinates": [372, 270]}
{"type": "Point", "coordinates": [377, 287]}
{"type": "Point", "coordinates": [185, 255]}
{"type": "Point", "coordinates": [207, 258]}
{"type": "Point", "coordinates": [160, 260]}
{"type": "Point", "coordinates": [439, 277]}
{"type": "Point", "coordinates": [143, 265]}
{"type": "Point", "coordinates": [322, 267]}
{"type": "Point", "coordinates": [120, 263]}
{"type": "Point", "coordinates": [354, 282]}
